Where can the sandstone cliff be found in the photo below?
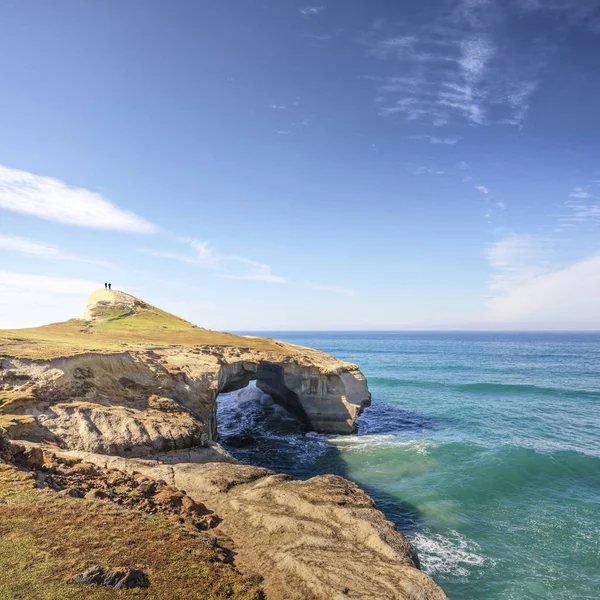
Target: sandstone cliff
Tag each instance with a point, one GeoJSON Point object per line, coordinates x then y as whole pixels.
{"type": "Point", "coordinates": [130, 382]}
{"type": "Point", "coordinates": [130, 379]}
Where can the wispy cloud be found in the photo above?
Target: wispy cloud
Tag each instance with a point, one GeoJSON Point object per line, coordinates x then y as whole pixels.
{"type": "Point", "coordinates": [455, 66]}
{"type": "Point", "coordinates": [226, 266]}
{"type": "Point", "coordinates": [432, 139]}
{"type": "Point", "coordinates": [320, 38]}
{"type": "Point", "coordinates": [255, 271]}
{"type": "Point", "coordinates": [28, 300]}
{"type": "Point", "coordinates": [577, 13]}
{"type": "Point", "coordinates": [482, 189]}
{"type": "Point", "coordinates": [582, 209]}
{"type": "Point", "coordinates": [28, 247]}
{"type": "Point", "coordinates": [263, 275]}
{"type": "Point", "coordinates": [311, 11]}
{"type": "Point", "coordinates": [24, 282]}
{"type": "Point", "coordinates": [282, 132]}
{"type": "Point", "coordinates": [564, 297]}
{"type": "Point", "coordinates": [277, 106]}
{"type": "Point", "coordinates": [581, 212]}
{"type": "Point", "coordinates": [53, 200]}
{"type": "Point", "coordinates": [580, 193]}
{"type": "Point", "coordinates": [426, 171]}
{"type": "Point", "coordinates": [518, 258]}
{"type": "Point", "coordinates": [334, 289]}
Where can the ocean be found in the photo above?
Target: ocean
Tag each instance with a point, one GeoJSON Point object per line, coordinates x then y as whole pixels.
{"type": "Point", "coordinates": [483, 448]}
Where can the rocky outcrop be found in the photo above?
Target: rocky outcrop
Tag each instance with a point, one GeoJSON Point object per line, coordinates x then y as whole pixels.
{"type": "Point", "coordinates": [139, 403]}
{"type": "Point", "coordinates": [132, 383]}
{"type": "Point", "coordinates": [153, 398]}
{"type": "Point", "coordinates": [321, 539]}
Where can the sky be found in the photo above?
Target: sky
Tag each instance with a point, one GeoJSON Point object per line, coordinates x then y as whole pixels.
{"type": "Point", "coordinates": [276, 165]}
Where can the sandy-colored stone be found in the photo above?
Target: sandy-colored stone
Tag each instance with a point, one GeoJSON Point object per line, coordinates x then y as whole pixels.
{"type": "Point", "coordinates": [150, 411]}
{"type": "Point", "coordinates": [321, 539]}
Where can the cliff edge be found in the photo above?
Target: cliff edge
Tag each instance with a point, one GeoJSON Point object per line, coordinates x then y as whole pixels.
{"type": "Point", "coordinates": [130, 377]}
{"type": "Point", "coordinates": [133, 388]}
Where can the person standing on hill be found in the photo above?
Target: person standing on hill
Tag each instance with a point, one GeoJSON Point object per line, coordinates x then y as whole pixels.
{"type": "Point", "coordinates": [106, 286]}
{"type": "Point", "coordinates": [109, 285]}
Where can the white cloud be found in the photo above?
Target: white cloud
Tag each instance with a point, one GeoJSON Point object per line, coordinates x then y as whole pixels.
{"type": "Point", "coordinates": [42, 283]}
{"type": "Point", "coordinates": [482, 189]}
{"type": "Point", "coordinates": [256, 271]}
{"type": "Point", "coordinates": [53, 200]}
{"type": "Point", "coordinates": [476, 53]}
{"type": "Point", "coordinates": [277, 107]}
{"type": "Point", "coordinates": [516, 259]}
{"type": "Point", "coordinates": [580, 193]}
{"type": "Point", "coordinates": [282, 132]}
{"type": "Point", "coordinates": [582, 211]}
{"type": "Point", "coordinates": [576, 13]}
{"type": "Point", "coordinates": [28, 247]}
{"type": "Point", "coordinates": [432, 139]}
{"type": "Point", "coordinates": [311, 11]}
{"type": "Point", "coordinates": [335, 289]}
{"type": "Point", "coordinates": [30, 300]}
{"type": "Point", "coordinates": [265, 276]}
{"type": "Point", "coordinates": [456, 65]}
{"type": "Point", "coordinates": [562, 298]}
{"type": "Point", "coordinates": [426, 171]}
{"type": "Point", "coordinates": [227, 266]}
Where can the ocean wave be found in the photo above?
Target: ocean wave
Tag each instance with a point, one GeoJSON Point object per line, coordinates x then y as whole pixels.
{"type": "Point", "coordinates": [451, 554]}
{"type": "Point", "coordinates": [369, 443]}
{"type": "Point", "coordinates": [483, 387]}
{"type": "Point", "coordinates": [397, 382]}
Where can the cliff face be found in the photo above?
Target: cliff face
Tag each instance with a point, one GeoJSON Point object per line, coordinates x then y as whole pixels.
{"type": "Point", "coordinates": [131, 382]}
{"type": "Point", "coordinates": [83, 387]}
{"type": "Point", "coordinates": [139, 402]}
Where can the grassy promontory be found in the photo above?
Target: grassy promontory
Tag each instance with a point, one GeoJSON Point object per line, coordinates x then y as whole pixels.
{"type": "Point", "coordinates": [118, 322]}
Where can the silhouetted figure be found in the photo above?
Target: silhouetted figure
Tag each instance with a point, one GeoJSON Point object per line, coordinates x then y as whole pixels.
{"type": "Point", "coordinates": [106, 286]}
{"type": "Point", "coordinates": [109, 285]}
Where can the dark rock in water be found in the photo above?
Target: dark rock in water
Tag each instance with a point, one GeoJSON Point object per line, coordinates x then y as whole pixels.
{"type": "Point", "coordinates": [119, 578]}
{"type": "Point", "coordinates": [240, 440]}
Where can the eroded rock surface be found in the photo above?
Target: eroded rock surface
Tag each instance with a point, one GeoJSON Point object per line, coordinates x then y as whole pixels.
{"type": "Point", "coordinates": [321, 539]}
{"type": "Point", "coordinates": [153, 398]}
{"type": "Point", "coordinates": [132, 383]}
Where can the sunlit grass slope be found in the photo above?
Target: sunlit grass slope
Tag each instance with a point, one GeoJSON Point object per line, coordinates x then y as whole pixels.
{"type": "Point", "coordinates": [117, 322]}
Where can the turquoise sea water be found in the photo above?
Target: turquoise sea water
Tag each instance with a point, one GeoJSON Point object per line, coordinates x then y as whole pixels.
{"type": "Point", "coordinates": [483, 448]}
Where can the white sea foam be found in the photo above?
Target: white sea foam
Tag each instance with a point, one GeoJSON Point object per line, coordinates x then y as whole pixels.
{"type": "Point", "coordinates": [368, 443]}
{"type": "Point", "coordinates": [450, 554]}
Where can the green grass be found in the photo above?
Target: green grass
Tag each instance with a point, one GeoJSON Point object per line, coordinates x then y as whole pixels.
{"type": "Point", "coordinates": [116, 331]}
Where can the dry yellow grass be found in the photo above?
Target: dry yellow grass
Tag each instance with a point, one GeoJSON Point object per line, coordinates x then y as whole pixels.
{"type": "Point", "coordinates": [116, 330]}
{"type": "Point", "coordinates": [45, 539]}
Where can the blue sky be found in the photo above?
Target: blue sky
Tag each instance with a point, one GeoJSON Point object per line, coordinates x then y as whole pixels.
{"type": "Point", "coordinates": [279, 165]}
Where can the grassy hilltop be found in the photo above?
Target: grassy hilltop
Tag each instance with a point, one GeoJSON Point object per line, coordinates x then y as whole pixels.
{"type": "Point", "coordinates": [114, 322]}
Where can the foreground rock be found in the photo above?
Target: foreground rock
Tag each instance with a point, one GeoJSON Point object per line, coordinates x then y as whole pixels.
{"type": "Point", "coordinates": [131, 383]}
{"type": "Point", "coordinates": [321, 539]}
{"type": "Point", "coordinates": [122, 578]}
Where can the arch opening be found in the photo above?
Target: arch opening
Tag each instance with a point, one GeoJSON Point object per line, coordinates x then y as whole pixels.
{"type": "Point", "coordinates": [248, 417]}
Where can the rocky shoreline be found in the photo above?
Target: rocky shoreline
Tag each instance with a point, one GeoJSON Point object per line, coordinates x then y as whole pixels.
{"type": "Point", "coordinates": [106, 399]}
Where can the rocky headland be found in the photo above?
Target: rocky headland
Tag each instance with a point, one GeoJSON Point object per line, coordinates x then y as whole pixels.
{"type": "Point", "coordinates": [131, 392]}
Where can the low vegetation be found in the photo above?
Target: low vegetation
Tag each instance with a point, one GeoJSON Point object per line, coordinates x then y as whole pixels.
{"type": "Point", "coordinates": [115, 329]}
{"type": "Point", "coordinates": [46, 539]}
